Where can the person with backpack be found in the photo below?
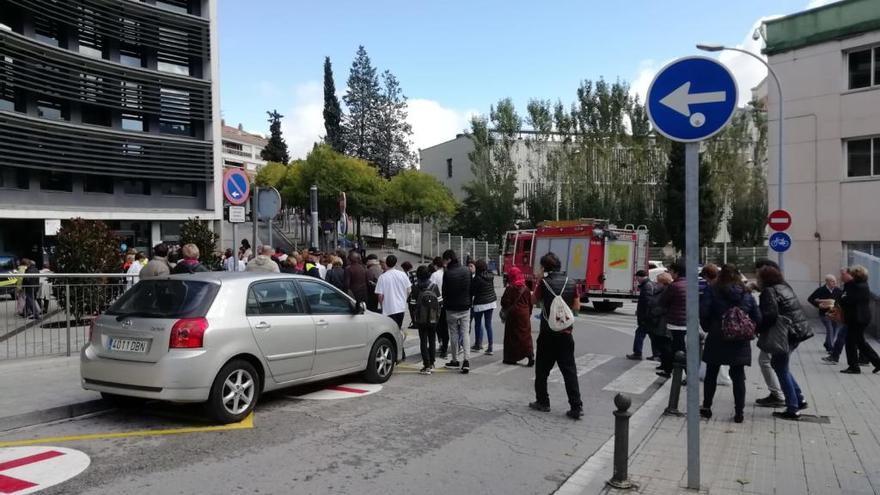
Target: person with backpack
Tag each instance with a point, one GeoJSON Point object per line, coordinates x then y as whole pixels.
{"type": "Point", "coordinates": [516, 313]}
{"type": "Point", "coordinates": [425, 301]}
{"type": "Point", "coordinates": [729, 315]}
{"type": "Point", "coordinates": [442, 328]}
{"type": "Point", "coordinates": [560, 301]}
{"type": "Point", "coordinates": [783, 326]}
{"type": "Point", "coordinates": [484, 300]}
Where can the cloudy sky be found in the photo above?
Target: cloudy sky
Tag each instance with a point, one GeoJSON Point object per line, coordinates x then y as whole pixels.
{"type": "Point", "coordinates": [455, 58]}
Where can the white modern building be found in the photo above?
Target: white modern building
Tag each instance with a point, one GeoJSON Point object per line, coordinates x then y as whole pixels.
{"type": "Point", "coordinates": [242, 149]}
{"type": "Point", "coordinates": [108, 110]}
{"type": "Point", "coordinates": [828, 62]}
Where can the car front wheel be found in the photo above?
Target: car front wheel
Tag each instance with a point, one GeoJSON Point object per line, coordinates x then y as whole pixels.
{"type": "Point", "coordinates": [380, 364]}
{"type": "Point", "coordinates": [235, 392]}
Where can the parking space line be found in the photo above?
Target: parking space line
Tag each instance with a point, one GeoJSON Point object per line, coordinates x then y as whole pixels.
{"type": "Point", "coordinates": [246, 423]}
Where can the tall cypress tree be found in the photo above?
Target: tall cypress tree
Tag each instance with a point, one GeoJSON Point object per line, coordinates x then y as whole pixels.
{"type": "Point", "coordinates": [276, 148]}
{"type": "Point", "coordinates": [363, 100]}
{"type": "Point", "coordinates": [332, 111]}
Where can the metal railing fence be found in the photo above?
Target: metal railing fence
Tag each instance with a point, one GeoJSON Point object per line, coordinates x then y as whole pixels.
{"type": "Point", "coordinates": [48, 314]}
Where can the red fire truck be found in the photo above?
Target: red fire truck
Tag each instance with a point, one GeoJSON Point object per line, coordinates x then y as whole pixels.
{"type": "Point", "coordinates": [601, 258]}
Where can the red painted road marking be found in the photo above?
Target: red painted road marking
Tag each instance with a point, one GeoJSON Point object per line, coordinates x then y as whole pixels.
{"type": "Point", "coordinates": [340, 388]}
{"type": "Point", "coordinates": [9, 484]}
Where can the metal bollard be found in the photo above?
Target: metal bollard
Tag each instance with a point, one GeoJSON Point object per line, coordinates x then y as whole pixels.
{"type": "Point", "coordinates": [674, 394]}
{"type": "Point", "coordinates": [620, 479]}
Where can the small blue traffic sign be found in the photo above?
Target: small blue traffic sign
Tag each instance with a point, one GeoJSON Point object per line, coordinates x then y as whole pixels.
{"type": "Point", "coordinates": [236, 186]}
{"type": "Point", "coordinates": [692, 99]}
{"type": "Point", "coordinates": [780, 242]}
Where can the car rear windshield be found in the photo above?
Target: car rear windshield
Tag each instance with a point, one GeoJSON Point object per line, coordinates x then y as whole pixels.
{"type": "Point", "coordinates": [166, 299]}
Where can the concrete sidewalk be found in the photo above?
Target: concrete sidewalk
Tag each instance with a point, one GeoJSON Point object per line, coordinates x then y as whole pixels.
{"type": "Point", "coordinates": [836, 450]}
{"type": "Point", "coordinates": [38, 390]}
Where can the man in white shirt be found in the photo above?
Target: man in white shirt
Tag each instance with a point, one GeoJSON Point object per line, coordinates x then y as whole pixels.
{"type": "Point", "coordinates": [393, 290]}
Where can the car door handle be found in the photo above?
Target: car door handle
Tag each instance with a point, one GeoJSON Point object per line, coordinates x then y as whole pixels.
{"type": "Point", "coordinates": [322, 323]}
{"type": "Point", "coordinates": [262, 325]}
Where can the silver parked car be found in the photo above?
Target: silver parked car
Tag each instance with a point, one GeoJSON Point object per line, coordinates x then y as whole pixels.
{"type": "Point", "coordinates": [224, 338]}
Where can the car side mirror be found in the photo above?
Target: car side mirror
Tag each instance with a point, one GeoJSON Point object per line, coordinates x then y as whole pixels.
{"type": "Point", "coordinates": [360, 308]}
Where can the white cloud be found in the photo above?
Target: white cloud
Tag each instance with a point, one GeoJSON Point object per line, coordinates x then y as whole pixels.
{"type": "Point", "coordinates": [433, 123]}
{"type": "Point", "coordinates": [818, 3]}
{"type": "Point", "coordinates": [303, 123]}
{"type": "Point", "coordinates": [647, 70]}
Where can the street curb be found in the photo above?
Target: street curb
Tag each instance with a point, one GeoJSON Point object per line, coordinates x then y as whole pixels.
{"type": "Point", "coordinates": [53, 414]}
{"type": "Point", "coordinates": [591, 476]}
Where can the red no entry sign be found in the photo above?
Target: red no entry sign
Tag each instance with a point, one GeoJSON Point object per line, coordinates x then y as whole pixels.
{"type": "Point", "coordinates": [779, 220]}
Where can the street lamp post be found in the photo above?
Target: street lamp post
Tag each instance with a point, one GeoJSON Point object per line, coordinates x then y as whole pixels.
{"type": "Point", "coordinates": [718, 48]}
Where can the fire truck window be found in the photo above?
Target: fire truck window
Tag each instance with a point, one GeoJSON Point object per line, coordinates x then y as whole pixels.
{"type": "Point", "coordinates": [527, 245]}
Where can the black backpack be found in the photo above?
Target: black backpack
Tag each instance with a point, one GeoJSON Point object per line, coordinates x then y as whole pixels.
{"type": "Point", "coordinates": [427, 310]}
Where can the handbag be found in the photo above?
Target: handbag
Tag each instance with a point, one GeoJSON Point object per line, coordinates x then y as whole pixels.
{"type": "Point", "coordinates": [775, 339]}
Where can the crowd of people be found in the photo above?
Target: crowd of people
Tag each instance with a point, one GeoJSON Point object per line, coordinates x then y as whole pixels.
{"type": "Point", "coordinates": [731, 317]}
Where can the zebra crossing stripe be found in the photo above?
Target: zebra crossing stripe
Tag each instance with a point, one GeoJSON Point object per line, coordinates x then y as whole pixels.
{"type": "Point", "coordinates": [585, 364]}
{"type": "Point", "coordinates": [635, 380]}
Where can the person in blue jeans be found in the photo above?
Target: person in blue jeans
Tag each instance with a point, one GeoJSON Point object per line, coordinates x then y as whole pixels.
{"type": "Point", "coordinates": [828, 291]}
{"type": "Point", "coordinates": [484, 304]}
{"type": "Point", "coordinates": [778, 300]}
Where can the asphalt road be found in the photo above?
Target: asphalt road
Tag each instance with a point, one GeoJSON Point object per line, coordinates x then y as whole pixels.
{"type": "Point", "coordinates": [446, 434]}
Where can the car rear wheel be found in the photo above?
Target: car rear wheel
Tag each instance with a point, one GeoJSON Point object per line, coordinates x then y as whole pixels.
{"type": "Point", "coordinates": [380, 365]}
{"type": "Point", "coordinates": [235, 392]}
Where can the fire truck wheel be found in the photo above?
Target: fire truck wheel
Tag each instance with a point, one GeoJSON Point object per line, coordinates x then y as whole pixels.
{"type": "Point", "coordinates": [605, 306]}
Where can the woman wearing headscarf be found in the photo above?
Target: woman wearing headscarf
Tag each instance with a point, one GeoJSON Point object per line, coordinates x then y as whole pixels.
{"type": "Point", "coordinates": [516, 311]}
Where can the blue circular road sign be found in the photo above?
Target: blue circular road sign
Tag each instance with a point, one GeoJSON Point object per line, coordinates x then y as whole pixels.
{"type": "Point", "coordinates": [779, 242]}
{"type": "Point", "coordinates": [236, 186]}
{"type": "Point", "coordinates": [692, 99]}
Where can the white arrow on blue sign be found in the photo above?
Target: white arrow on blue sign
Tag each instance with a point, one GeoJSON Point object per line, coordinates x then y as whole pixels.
{"type": "Point", "coordinates": [779, 242]}
{"type": "Point", "coordinates": [692, 99]}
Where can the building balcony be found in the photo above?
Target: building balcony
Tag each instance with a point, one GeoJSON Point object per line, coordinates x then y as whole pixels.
{"type": "Point", "coordinates": [233, 151]}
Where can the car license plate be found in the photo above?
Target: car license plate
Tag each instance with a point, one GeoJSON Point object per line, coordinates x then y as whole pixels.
{"type": "Point", "coordinates": [128, 345]}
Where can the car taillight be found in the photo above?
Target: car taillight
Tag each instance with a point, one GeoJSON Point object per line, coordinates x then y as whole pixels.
{"type": "Point", "coordinates": [188, 333]}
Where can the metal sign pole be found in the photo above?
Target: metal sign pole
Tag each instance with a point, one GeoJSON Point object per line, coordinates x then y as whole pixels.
{"type": "Point", "coordinates": [234, 248]}
{"type": "Point", "coordinates": [254, 220]}
{"type": "Point", "coordinates": [313, 202]}
{"type": "Point", "coordinates": [692, 218]}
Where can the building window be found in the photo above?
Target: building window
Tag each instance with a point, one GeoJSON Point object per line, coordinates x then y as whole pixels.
{"type": "Point", "coordinates": [864, 68]}
{"type": "Point", "coordinates": [14, 178]}
{"type": "Point", "coordinates": [187, 189]}
{"type": "Point", "coordinates": [47, 31]}
{"type": "Point", "coordinates": [131, 122]}
{"type": "Point", "coordinates": [131, 56]}
{"type": "Point", "coordinates": [52, 110]}
{"type": "Point", "coordinates": [98, 184]}
{"type": "Point", "coordinates": [863, 157]}
{"type": "Point", "coordinates": [869, 247]}
{"type": "Point", "coordinates": [56, 181]}
{"type": "Point", "coordinates": [449, 167]}
{"type": "Point", "coordinates": [136, 186]}
{"type": "Point", "coordinates": [95, 115]}
{"type": "Point", "coordinates": [181, 7]}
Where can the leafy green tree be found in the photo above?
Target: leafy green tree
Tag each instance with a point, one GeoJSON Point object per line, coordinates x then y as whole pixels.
{"type": "Point", "coordinates": [415, 193]}
{"type": "Point", "coordinates": [87, 246]}
{"type": "Point", "coordinates": [491, 205]}
{"type": "Point", "coordinates": [195, 231]}
{"type": "Point", "coordinates": [748, 207]}
{"type": "Point", "coordinates": [271, 175]}
{"type": "Point", "coordinates": [332, 112]}
{"type": "Point", "coordinates": [674, 217]}
{"type": "Point", "coordinates": [363, 100]}
{"type": "Point", "coordinates": [276, 148]}
{"type": "Point", "coordinates": [391, 151]}
{"type": "Point", "coordinates": [333, 173]}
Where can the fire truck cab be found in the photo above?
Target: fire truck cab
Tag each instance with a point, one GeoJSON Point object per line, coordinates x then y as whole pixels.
{"type": "Point", "coordinates": [601, 258]}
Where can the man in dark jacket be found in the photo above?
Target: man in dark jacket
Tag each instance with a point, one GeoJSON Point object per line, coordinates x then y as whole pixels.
{"type": "Point", "coordinates": [856, 306]}
{"type": "Point", "coordinates": [457, 301]}
{"type": "Point", "coordinates": [355, 278]}
{"type": "Point", "coordinates": [556, 348]}
{"type": "Point", "coordinates": [30, 286]}
{"type": "Point", "coordinates": [827, 291]}
{"type": "Point", "coordinates": [646, 289]}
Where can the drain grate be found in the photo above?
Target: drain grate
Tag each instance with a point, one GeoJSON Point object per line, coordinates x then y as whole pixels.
{"type": "Point", "coordinates": [812, 418]}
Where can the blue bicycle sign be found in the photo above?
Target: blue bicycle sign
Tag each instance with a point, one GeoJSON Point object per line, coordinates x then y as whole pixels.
{"type": "Point", "coordinates": [780, 242]}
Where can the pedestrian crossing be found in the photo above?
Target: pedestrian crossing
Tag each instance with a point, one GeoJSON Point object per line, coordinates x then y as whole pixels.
{"type": "Point", "coordinates": [623, 320]}
{"type": "Point", "coordinates": [636, 380]}
{"type": "Point", "coordinates": [585, 364]}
